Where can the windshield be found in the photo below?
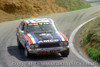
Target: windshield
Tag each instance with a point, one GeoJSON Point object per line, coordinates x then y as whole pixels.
{"type": "Point", "coordinates": [40, 27]}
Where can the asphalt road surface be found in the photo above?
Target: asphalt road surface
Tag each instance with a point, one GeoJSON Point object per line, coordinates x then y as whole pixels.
{"type": "Point", "coordinates": [11, 56]}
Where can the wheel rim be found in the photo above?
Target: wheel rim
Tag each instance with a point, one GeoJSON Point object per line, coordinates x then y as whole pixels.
{"type": "Point", "coordinates": [26, 52]}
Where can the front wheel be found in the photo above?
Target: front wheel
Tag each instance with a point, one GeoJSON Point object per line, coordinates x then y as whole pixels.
{"type": "Point", "coordinates": [65, 53]}
{"type": "Point", "coordinates": [27, 54]}
{"type": "Point", "coordinates": [19, 44]}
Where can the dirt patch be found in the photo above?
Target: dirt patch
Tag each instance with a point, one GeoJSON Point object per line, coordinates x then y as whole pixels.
{"type": "Point", "coordinates": [27, 8]}
{"type": "Point", "coordinates": [5, 16]}
{"type": "Point", "coordinates": [30, 7]}
{"type": "Point", "coordinates": [19, 9]}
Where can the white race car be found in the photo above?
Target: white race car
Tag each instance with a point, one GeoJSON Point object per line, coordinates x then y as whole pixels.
{"type": "Point", "coordinates": [40, 36]}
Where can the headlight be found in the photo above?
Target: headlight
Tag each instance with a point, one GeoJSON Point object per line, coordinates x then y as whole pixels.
{"type": "Point", "coordinates": [65, 43]}
{"type": "Point", "coordinates": [32, 46]}
{"type": "Point", "coordinates": [61, 43]}
{"type": "Point", "coordinates": [36, 45]}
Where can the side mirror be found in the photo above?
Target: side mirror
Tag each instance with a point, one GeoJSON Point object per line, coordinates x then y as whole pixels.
{"type": "Point", "coordinates": [22, 31]}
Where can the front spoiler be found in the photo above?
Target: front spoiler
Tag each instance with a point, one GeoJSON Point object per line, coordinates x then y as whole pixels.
{"type": "Point", "coordinates": [48, 50]}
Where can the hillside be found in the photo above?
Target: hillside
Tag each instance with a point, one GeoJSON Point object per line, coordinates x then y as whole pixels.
{"type": "Point", "coordinates": [16, 9]}
{"type": "Point", "coordinates": [90, 38]}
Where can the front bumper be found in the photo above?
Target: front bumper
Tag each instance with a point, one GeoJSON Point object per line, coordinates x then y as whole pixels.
{"type": "Point", "coordinates": [48, 50]}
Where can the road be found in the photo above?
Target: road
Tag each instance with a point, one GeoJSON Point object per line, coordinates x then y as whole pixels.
{"type": "Point", "coordinates": [11, 56]}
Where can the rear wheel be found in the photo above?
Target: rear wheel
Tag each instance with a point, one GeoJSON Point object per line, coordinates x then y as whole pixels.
{"type": "Point", "coordinates": [65, 53]}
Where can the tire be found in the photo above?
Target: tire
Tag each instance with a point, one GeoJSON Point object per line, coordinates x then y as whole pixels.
{"type": "Point", "coordinates": [27, 54]}
{"type": "Point", "coordinates": [65, 53]}
{"type": "Point", "coordinates": [19, 44]}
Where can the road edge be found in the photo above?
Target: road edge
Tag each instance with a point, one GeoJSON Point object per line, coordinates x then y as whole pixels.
{"type": "Point", "coordinates": [72, 39]}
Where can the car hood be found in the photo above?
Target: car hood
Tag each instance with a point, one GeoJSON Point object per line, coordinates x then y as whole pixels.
{"type": "Point", "coordinates": [45, 37]}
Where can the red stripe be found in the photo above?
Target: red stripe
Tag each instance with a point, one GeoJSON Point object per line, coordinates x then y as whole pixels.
{"type": "Point", "coordinates": [29, 39]}
{"type": "Point", "coordinates": [65, 38]}
{"type": "Point", "coordinates": [25, 22]}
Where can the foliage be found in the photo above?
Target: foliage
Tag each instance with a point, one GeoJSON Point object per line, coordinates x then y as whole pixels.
{"type": "Point", "coordinates": [73, 4]}
{"type": "Point", "coordinates": [91, 39]}
{"type": "Point", "coordinates": [93, 53]}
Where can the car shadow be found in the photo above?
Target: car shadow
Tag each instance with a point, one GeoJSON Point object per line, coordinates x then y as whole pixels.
{"type": "Point", "coordinates": [19, 54]}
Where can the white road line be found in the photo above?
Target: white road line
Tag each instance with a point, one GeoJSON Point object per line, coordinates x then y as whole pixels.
{"type": "Point", "coordinates": [71, 39]}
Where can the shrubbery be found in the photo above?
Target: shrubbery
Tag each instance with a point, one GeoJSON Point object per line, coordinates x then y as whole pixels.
{"type": "Point", "coordinates": [93, 52]}
{"type": "Point", "coordinates": [73, 4]}
{"type": "Point", "coordinates": [91, 39]}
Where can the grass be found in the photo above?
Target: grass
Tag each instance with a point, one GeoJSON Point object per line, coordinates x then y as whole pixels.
{"type": "Point", "coordinates": [85, 6]}
{"type": "Point", "coordinates": [93, 53]}
{"type": "Point", "coordinates": [86, 39]}
{"type": "Point", "coordinates": [25, 17]}
{"type": "Point", "coordinates": [77, 8]}
{"type": "Point", "coordinates": [21, 17]}
{"type": "Point", "coordinates": [62, 3]}
{"type": "Point", "coordinates": [16, 17]}
{"type": "Point", "coordinates": [90, 37]}
{"type": "Point", "coordinates": [71, 5]}
{"type": "Point", "coordinates": [93, 1]}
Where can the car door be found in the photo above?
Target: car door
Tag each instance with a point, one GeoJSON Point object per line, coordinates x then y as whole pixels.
{"type": "Point", "coordinates": [22, 30]}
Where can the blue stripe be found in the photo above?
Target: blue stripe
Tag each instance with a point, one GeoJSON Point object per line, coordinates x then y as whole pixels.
{"type": "Point", "coordinates": [36, 40]}
{"type": "Point", "coordinates": [29, 21]}
{"type": "Point", "coordinates": [58, 36]}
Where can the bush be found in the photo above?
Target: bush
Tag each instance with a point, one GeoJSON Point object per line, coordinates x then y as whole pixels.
{"type": "Point", "coordinates": [93, 53]}
{"type": "Point", "coordinates": [73, 4]}
{"type": "Point", "coordinates": [91, 38]}
{"type": "Point", "coordinates": [62, 3]}
{"type": "Point", "coordinates": [86, 39]}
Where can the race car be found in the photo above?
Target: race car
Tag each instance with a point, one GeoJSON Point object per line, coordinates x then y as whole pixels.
{"type": "Point", "coordinates": [40, 36]}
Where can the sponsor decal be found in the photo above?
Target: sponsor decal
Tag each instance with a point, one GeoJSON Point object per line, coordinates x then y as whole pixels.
{"type": "Point", "coordinates": [44, 34]}
{"type": "Point", "coordinates": [45, 41]}
{"type": "Point", "coordinates": [35, 24]}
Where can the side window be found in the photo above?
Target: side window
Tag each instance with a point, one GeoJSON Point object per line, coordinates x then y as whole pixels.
{"type": "Point", "coordinates": [23, 26]}
{"type": "Point", "coordinates": [20, 26]}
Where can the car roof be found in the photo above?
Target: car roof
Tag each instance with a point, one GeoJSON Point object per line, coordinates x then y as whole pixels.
{"type": "Point", "coordinates": [38, 20]}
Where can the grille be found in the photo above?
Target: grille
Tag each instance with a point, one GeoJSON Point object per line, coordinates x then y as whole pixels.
{"type": "Point", "coordinates": [48, 45]}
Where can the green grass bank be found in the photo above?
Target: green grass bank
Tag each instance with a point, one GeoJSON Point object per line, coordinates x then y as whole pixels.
{"type": "Point", "coordinates": [71, 5]}
{"type": "Point", "coordinates": [90, 38]}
